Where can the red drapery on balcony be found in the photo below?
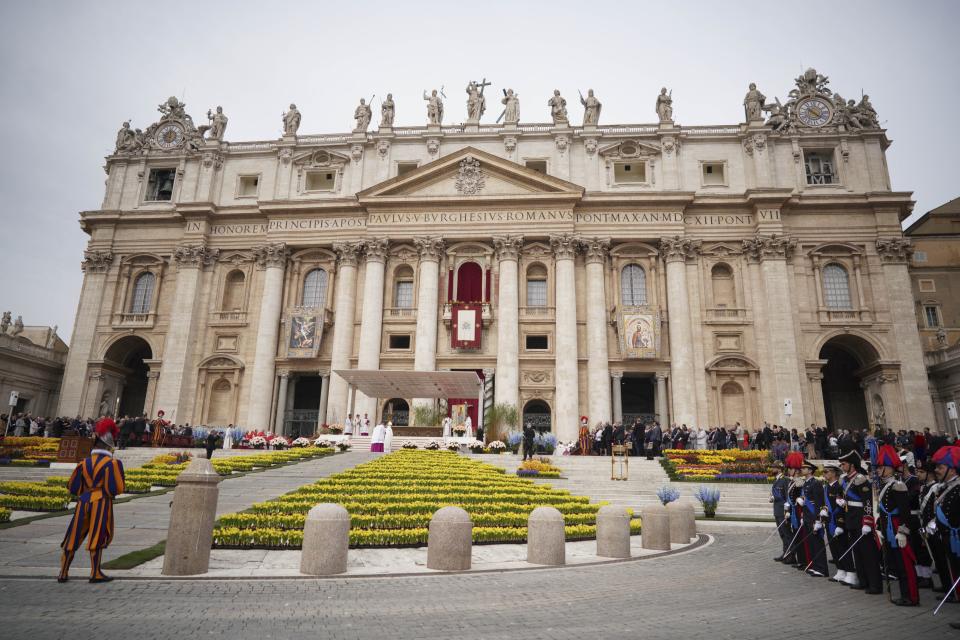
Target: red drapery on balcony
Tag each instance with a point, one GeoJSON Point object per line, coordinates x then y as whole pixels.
{"type": "Point", "coordinates": [469, 283]}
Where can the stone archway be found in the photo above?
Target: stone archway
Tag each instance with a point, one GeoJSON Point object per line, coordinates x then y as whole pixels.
{"type": "Point", "coordinates": [733, 406]}
{"type": "Point", "coordinates": [849, 363]}
{"type": "Point", "coordinates": [537, 413]}
{"type": "Point", "coordinates": [124, 377]}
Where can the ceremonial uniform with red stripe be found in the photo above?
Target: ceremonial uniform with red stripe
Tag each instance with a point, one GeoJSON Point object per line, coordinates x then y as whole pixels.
{"type": "Point", "coordinates": [893, 505]}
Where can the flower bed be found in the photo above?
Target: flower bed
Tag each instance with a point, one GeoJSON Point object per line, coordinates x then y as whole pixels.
{"type": "Point", "coordinates": [30, 451]}
{"type": "Point", "coordinates": [391, 501]}
{"type": "Point", "coordinates": [538, 469]}
{"type": "Point", "coordinates": [5, 514]}
{"type": "Point", "coordinates": [723, 465]}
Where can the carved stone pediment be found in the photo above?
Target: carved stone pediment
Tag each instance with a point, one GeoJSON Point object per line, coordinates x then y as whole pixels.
{"type": "Point", "coordinates": [630, 149]}
{"type": "Point", "coordinates": [722, 249]}
{"type": "Point", "coordinates": [320, 159]}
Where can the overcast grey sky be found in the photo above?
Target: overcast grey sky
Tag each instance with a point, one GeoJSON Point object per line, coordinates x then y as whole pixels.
{"type": "Point", "coordinates": [72, 72]}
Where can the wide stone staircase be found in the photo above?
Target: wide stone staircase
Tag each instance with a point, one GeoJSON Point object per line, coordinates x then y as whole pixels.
{"type": "Point", "coordinates": [362, 443]}
{"type": "Point", "coordinates": [590, 476]}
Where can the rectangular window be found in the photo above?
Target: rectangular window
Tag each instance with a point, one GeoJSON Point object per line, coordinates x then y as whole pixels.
{"type": "Point", "coordinates": [321, 180]}
{"type": "Point", "coordinates": [536, 293]}
{"type": "Point", "coordinates": [630, 172]}
{"type": "Point", "coordinates": [400, 341]}
{"type": "Point", "coordinates": [403, 295]}
{"type": "Point", "coordinates": [927, 286]}
{"type": "Point", "coordinates": [537, 343]}
{"type": "Point", "coordinates": [406, 167]}
{"type": "Point", "coordinates": [919, 256]}
{"type": "Point", "coordinates": [160, 185]}
{"type": "Point", "coordinates": [537, 165]}
{"type": "Point", "coordinates": [714, 174]}
{"type": "Point", "coordinates": [819, 167]}
{"type": "Point", "coordinates": [932, 316]}
{"type": "Point", "coordinates": [248, 186]}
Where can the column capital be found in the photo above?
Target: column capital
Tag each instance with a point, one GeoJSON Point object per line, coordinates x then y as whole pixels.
{"type": "Point", "coordinates": [660, 376]}
{"type": "Point", "coordinates": [596, 249]}
{"type": "Point", "coordinates": [376, 249]}
{"type": "Point", "coordinates": [679, 249]}
{"type": "Point", "coordinates": [565, 245]}
{"type": "Point", "coordinates": [772, 247]}
{"type": "Point", "coordinates": [284, 373]}
{"type": "Point", "coordinates": [616, 375]}
{"type": "Point", "coordinates": [271, 255]}
{"type": "Point", "coordinates": [430, 248]}
{"type": "Point", "coordinates": [508, 247]}
{"type": "Point", "coordinates": [96, 261]}
{"type": "Point", "coordinates": [348, 252]}
{"type": "Point", "coordinates": [894, 250]}
{"type": "Point", "coordinates": [194, 256]}
{"type": "Point", "coordinates": [488, 372]}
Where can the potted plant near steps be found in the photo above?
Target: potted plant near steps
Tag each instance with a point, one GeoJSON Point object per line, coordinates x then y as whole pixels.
{"type": "Point", "coordinates": [709, 498]}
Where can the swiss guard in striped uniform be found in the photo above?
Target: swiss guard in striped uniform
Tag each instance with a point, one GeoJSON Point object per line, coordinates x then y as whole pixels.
{"type": "Point", "coordinates": [96, 482]}
{"type": "Point", "coordinates": [893, 505]}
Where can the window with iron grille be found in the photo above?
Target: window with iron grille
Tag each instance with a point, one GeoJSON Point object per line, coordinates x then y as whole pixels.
{"type": "Point", "coordinates": [633, 286]}
{"type": "Point", "coordinates": [836, 287]}
{"type": "Point", "coordinates": [315, 288]}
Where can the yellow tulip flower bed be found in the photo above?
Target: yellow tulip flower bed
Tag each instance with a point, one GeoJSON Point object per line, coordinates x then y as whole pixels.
{"type": "Point", "coordinates": [391, 501]}
{"type": "Point", "coordinates": [716, 465]}
{"type": "Point", "coordinates": [4, 514]}
{"type": "Point", "coordinates": [28, 451]}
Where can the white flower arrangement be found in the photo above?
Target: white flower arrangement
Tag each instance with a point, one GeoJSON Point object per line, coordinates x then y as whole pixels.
{"type": "Point", "coordinates": [433, 445]}
{"type": "Point", "coordinates": [301, 442]}
{"type": "Point", "coordinates": [407, 444]}
{"type": "Point", "coordinates": [453, 446]}
{"type": "Point", "coordinates": [323, 442]}
{"type": "Point", "coordinates": [279, 442]}
{"type": "Point", "coordinates": [496, 444]}
{"type": "Point", "coordinates": [564, 448]}
{"type": "Point", "coordinates": [258, 441]}
{"type": "Point", "coordinates": [475, 445]}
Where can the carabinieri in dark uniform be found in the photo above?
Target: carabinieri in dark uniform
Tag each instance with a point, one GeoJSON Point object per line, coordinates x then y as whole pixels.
{"type": "Point", "coordinates": [812, 501]}
{"type": "Point", "coordinates": [834, 517]}
{"type": "Point", "coordinates": [928, 502]}
{"type": "Point", "coordinates": [858, 505]}
{"type": "Point", "coordinates": [795, 551]}
{"type": "Point", "coordinates": [916, 481]}
{"type": "Point", "coordinates": [947, 509]}
{"type": "Point", "coordinates": [893, 505]}
{"type": "Point", "coordinates": [778, 496]}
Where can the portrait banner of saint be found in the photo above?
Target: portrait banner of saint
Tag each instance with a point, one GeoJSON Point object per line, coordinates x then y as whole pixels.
{"type": "Point", "coordinates": [640, 334]}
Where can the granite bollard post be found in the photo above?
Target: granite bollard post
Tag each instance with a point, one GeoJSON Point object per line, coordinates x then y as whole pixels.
{"type": "Point", "coordinates": [326, 538]}
{"type": "Point", "coordinates": [546, 537]}
{"type": "Point", "coordinates": [656, 527]}
{"type": "Point", "coordinates": [613, 532]}
{"type": "Point", "coordinates": [450, 540]}
{"type": "Point", "coordinates": [190, 533]}
{"type": "Point", "coordinates": [691, 519]}
{"type": "Point", "coordinates": [679, 527]}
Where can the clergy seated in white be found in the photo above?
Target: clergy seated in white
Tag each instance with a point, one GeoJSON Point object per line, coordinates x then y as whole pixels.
{"type": "Point", "coordinates": [376, 440]}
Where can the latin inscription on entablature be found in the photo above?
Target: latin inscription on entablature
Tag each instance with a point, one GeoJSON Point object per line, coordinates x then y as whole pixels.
{"type": "Point", "coordinates": [469, 217]}
{"type": "Point", "coordinates": [660, 217]}
{"type": "Point", "coordinates": [260, 228]}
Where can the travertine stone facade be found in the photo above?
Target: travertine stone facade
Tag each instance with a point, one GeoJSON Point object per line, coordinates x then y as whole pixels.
{"type": "Point", "coordinates": [700, 274]}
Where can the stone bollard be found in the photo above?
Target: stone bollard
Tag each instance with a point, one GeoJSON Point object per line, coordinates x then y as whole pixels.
{"type": "Point", "coordinates": [613, 532]}
{"type": "Point", "coordinates": [679, 527]}
{"type": "Point", "coordinates": [326, 537]}
{"type": "Point", "coordinates": [691, 519]}
{"type": "Point", "coordinates": [656, 527]}
{"type": "Point", "coordinates": [190, 533]}
{"type": "Point", "coordinates": [546, 537]}
{"type": "Point", "coordinates": [450, 541]}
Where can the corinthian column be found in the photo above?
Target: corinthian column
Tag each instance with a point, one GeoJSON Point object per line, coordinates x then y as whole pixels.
{"type": "Point", "coordinates": [425, 355]}
{"type": "Point", "coordinates": [508, 321]}
{"type": "Point", "coordinates": [95, 266]}
{"type": "Point", "coordinates": [371, 323]}
{"type": "Point", "coordinates": [272, 260]}
{"type": "Point", "coordinates": [344, 312]}
{"type": "Point", "coordinates": [598, 362]}
{"type": "Point", "coordinates": [567, 407]}
{"type": "Point", "coordinates": [894, 254]}
{"type": "Point", "coordinates": [180, 336]}
{"type": "Point", "coordinates": [676, 250]}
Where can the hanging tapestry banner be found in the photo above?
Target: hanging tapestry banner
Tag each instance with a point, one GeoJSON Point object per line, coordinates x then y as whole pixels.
{"type": "Point", "coordinates": [639, 330]}
{"type": "Point", "coordinates": [467, 320]}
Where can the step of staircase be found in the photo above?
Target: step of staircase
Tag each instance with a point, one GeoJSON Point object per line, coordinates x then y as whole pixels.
{"type": "Point", "coordinates": [362, 443]}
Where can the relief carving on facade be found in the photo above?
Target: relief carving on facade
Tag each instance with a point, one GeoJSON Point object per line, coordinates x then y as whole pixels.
{"type": "Point", "coordinates": [470, 177]}
{"type": "Point", "coordinates": [271, 255]}
{"type": "Point", "coordinates": [769, 247]}
{"type": "Point", "coordinates": [537, 376]}
{"type": "Point", "coordinates": [348, 252]}
{"type": "Point", "coordinates": [677, 248]}
{"type": "Point", "coordinates": [96, 261]}
{"type": "Point", "coordinates": [377, 249]}
{"type": "Point", "coordinates": [894, 249]}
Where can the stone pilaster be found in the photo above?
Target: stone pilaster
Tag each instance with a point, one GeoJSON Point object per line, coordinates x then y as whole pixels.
{"type": "Point", "coordinates": [895, 254]}
{"type": "Point", "coordinates": [95, 266]}
{"type": "Point", "coordinates": [345, 301]}
{"type": "Point", "coordinates": [598, 371]}
{"type": "Point", "coordinates": [566, 410]}
{"type": "Point", "coordinates": [271, 259]}
{"type": "Point", "coordinates": [178, 345]}
{"type": "Point", "coordinates": [661, 400]}
{"type": "Point", "coordinates": [675, 251]}
{"type": "Point", "coordinates": [425, 354]}
{"type": "Point", "coordinates": [371, 322]}
{"type": "Point", "coordinates": [508, 321]}
{"type": "Point", "coordinates": [324, 398]}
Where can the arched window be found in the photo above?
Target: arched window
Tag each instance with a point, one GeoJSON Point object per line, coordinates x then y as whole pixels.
{"type": "Point", "coordinates": [724, 292]}
{"type": "Point", "coordinates": [836, 287]}
{"type": "Point", "coordinates": [315, 288]}
{"type": "Point", "coordinates": [633, 286]}
{"type": "Point", "coordinates": [142, 293]}
{"type": "Point", "coordinates": [536, 285]}
{"type": "Point", "coordinates": [233, 291]}
{"type": "Point", "coordinates": [403, 287]}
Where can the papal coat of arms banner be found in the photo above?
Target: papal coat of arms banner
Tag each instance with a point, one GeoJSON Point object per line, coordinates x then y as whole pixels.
{"type": "Point", "coordinates": [639, 333]}
{"type": "Point", "coordinates": [467, 326]}
{"type": "Point", "coordinates": [304, 336]}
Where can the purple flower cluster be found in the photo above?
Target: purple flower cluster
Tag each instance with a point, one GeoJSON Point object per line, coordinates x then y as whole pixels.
{"type": "Point", "coordinates": [741, 476]}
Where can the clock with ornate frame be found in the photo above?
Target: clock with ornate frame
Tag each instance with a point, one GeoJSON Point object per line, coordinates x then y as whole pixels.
{"type": "Point", "coordinates": [170, 136]}
{"type": "Point", "coordinates": [814, 112]}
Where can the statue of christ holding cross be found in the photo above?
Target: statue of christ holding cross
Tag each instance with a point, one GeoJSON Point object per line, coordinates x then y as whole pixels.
{"type": "Point", "coordinates": [476, 102]}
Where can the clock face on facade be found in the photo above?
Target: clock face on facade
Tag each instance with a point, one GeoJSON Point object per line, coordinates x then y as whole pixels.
{"type": "Point", "coordinates": [814, 112]}
{"type": "Point", "coordinates": [170, 136]}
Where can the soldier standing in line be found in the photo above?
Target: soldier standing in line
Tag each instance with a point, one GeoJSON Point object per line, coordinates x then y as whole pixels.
{"type": "Point", "coordinates": [796, 552]}
{"type": "Point", "coordinates": [836, 525]}
{"type": "Point", "coordinates": [947, 510]}
{"type": "Point", "coordinates": [778, 496]}
{"type": "Point", "coordinates": [857, 502]}
{"type": "Point", "coordinates": [893, 504]}
{"type": "Point", "coordinates": [812, 502]}
{"type": "Point", "coordinates": [928, 502]}
{"type": "Point", "coordinates": [915, 488]}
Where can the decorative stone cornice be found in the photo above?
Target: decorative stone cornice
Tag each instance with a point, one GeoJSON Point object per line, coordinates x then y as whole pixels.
{"type": "Point", "coordinates": [596, 249]}
{"type": "Point", "coordinates": [96, 261]}
{"type": "Point", "coordinates": [348, 253]}
{"type": "Point", "coordinates": [564, 246]}
{"type": "Point", "coordinates": [271, 255]}
{"type": "Point", "coordinates": [772, 247]}
{"type": "Point", "coordinates": [894, 249]}
{"type": "Point", "coordinates": [429, 248]}
{"type": "Point", "coordinates": [508, 247]}
{"type": "Point", "coordinates": [194, 256]}
{"type": "Point", "coordinates": [679, 249]}
{"type": "Point", "coordinates": [376, 249]}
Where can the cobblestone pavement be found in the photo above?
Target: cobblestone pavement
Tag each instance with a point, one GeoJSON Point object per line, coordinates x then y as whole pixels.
{"type": "Point", "coordinates": [730, 589]}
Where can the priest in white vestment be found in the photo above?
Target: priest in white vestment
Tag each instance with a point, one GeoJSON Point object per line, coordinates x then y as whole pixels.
{"type": "Point", "coordinates": [364, 425]}
{"type": "Point", "coordinates": [376, 440]}
{"type": "Point", "coordinates": [228, 438]}
{"type": "Point", "coordinates": [447, 427]}
{"type": "Point", "coordinates": [468, 425]}
{"type": "Point", "coordinates": [388, 437]}
{"type": "Point", "coordinates": [348, 426]}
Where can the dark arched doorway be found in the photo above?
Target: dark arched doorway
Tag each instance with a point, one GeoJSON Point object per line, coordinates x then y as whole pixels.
{"type": "Point", "coordinates": [844, 403]}
{"type": "Point", "coordinates": [126, 358]}
{"type": "Point", "coordinates": [397, 411]}
{"type": "Point", "coordinates": [537, 414]}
